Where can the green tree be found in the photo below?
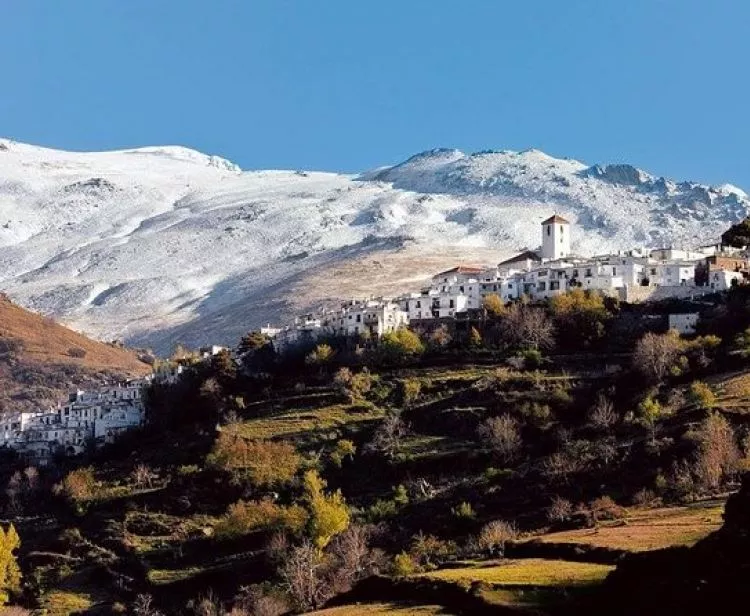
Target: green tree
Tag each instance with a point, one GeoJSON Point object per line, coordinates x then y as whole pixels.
{"type": "Point", "coordinates": [320, 355]}
{"type": "Point", "coordinates": [10, 574]}
{"type": "Point", "coordinates": [329, 513]}
{"type": "Point", "coordinates": [344, 449]}
{"type": "Point", "coordinates": [580, 317]}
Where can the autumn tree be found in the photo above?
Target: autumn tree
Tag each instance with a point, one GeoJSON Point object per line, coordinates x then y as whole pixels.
{"type": "Point", "coordinates": [495, 535]}
{"type": "Point", "coordinates": [717, 454]}
{"type": "Point", "coordinates": [494, 305]}
{"type": "Point", "coordinates": [401, 344]}
{"type": "Point", "coordinates": [261, 463]}
{"type": "Point", "coordinates": [322, 354]}
{"type": "Point", "coordinates": [329, 513]}
{"type": "Point", "coordinates": [475, 338]}
{"type": "Point", "coordinates": [701, 395]}
{"type": "Point", "coordinates": [580, 317]}
{"type": "Point", "coordinates": [10, 574]}
{"type": "Point", "coordinates": [503, 435]}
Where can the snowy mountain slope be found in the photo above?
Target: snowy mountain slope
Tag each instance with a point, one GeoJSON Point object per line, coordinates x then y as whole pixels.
{"type": "Point", "coordinates": [156, 245]}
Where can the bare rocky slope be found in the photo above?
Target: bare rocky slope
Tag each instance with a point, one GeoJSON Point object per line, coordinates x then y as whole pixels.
{"type": "Point", "coordinates": [160, 245]}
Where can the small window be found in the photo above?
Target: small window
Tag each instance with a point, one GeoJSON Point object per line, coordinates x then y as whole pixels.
{"type": "Point", "coordinates": [561, 228]}
{"type": "Point", "coordinates": [549, 230]}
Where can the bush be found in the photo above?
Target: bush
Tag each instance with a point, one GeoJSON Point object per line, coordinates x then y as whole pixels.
{"type": "Point", "coordinates": [560, 510]}
{"type": "Point", "coordinates": [503, 435]}
{"type": "Point", "coordinates": [428, 551]}
{"type": "Point", "coordinates": [605, 508]}
{"type": "Point", "coordinates": [410, 390]}
{"type": "Point", "coordinates": [79, 485]}
{"type": "Point", "coordinates": [77, 352]}
{"type": "Point", "coordinates": [494, 536]}
{"type": "Point", "coordinates": [404, 564]}
{"type": "Point", "coordinates": [262, 463]}
{"type": "Point", "coordinates": [464, 511]}
{"type": "Point", "coordinates": [321, 354]}
{"type": "Point", "coordinates": [701, 395]}
{"type": "Point", "coordinates": [244, 517]}
{"type": "Point", "coordinates": [494, 305]}
{"type": "Point", "coordinates": [344, 449]}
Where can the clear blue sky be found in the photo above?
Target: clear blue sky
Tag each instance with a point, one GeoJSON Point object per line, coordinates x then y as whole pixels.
{"type": "Point", "coordinates": [352, 84]}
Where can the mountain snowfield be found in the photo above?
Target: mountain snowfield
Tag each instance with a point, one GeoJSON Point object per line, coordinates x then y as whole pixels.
{"type": "Point", "coordinates": [165, 244]}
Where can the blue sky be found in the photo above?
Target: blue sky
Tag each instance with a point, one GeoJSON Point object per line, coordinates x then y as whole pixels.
{"type": "Point", "coordinates": [349, 85]}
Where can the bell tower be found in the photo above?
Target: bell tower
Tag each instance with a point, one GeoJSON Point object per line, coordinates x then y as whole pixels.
{"type": "Point", "coordinates": [555, 238]}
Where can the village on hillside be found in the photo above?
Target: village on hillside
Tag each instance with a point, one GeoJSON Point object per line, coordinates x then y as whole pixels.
{"type": "Point", "coordinates": [637, 275]}
{"type": "Point", "coordinates": [98, 417]}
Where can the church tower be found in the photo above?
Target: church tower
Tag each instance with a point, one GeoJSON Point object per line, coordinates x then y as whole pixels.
{"type": "Point", "coordinates": [555, 238]}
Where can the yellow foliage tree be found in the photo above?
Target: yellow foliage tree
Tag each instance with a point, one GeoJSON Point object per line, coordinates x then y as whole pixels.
{"type": "Point", "coordinates": [10, 574]}
{"type": "Point", "coordinates": [329, 513]}
{"type": "Point", "coordinates": [494, 305]}
{"type": "Point", "coordinates": [262, 463]}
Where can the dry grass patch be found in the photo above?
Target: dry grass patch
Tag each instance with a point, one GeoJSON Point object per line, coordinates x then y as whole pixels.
{"type": "Point", "coordinates": [527, 572]}
{"type": "Point", "coordinates": [378, 609]}
{"type": "Point", "coordinates": [649, 529]}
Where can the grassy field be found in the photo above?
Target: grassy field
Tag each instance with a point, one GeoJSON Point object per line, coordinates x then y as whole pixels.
{"type": "Point", "coordinates": [306, 423]}
{"type": "Point", "coordinates": [378, 609]}
{"type": "Point", "coordinates": [649, 529]}
{"type": "Point", "coordinates": [526, 572]}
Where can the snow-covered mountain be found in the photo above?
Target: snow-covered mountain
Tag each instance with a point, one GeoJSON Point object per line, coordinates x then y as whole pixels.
{"type": "Point", "coordinates": [165, 244]}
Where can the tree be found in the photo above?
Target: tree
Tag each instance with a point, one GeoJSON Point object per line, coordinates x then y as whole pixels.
{"type": "Point", "coordinates": [737, 235]}
{"type": "Point", "coordinates": [655, 354]}
{"type": "Point", "coordinates": [494, 306]}
{"type": "Point", "coordinates": [344, 449]}
{"type": "Point", "coordinates": [262, 463]}
{"type": "Point", "coordinates": [142, 476]}
{"type": "Point", "coordinates": [387, 438]}
{"type": "Point", "coordinates": [503, 435]}
{"type": "Point", "coordinates": [401, 344]}
{"type": "Point", "coordinates": [320, 355]}
{"type": "Point", "coordinates": [10, 574]}
{"type": "Point", "coordinates": [79, 485]}
{"type": "Point", "coordinates": [440, 337]}
{"type": "Point", "coordinates": [303, 576]}
{"type": "Point", "coordinates": [410, 390]}
{"type": "Point", "coordinates": [580, 317]}
{"type": "Point", "coordinates": [251, 342]}
{"type": "Point", "coordinates": [495, 535]}
{"type": "Point", "coordinates": [650, 412]}
{"type": "Point", "coordinates": [475, 338]}
{"type": "Point", "coordinates": [329, 513]}
{"type": "Point", "coordinates": [717, 455]}
{"type": "Point", "coordinates": [244, 517]}
{"type": "Point", "coordinates": [527, 327]}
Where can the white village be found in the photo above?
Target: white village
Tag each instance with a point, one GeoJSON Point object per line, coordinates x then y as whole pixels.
{"type": "Point", "coordinates": [95, 418]}
{"type": "Point", "coordinates": [637, 275]}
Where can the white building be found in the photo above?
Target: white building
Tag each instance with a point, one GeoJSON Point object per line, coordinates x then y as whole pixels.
{"type": "Point", "coordinates": [685, 323]}
{"type": "Point", "coordinates": [555, 238]}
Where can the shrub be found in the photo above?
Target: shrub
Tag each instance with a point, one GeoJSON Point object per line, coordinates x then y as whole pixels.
{"type": "Point", "coordinates": [475, 338]}
{"type": "Point", "coordinates": [79, 485]}
{"type": "Point", "coordinates": [560, 510]}
{"type": "Point", "coordinates": [701, 395]}
{"type": "Point", "coordinates": [77, 352]}
{"type": "Point", "coordinates": [244, 517]}
{"type": "Point", "coordinates": [503, 435]}
{"type": "Point", "coordinates": [495, 535]}
{"type": "Point", "coordinates": [344, 449]}
{"type": "Point", "coordinates": [10, 574]}
{"type": "Point", "coordinates": [532, 359]}
{"type": "Point", "coordinates": [262, 463]}
{"type": "Point", "coordinates": [605, 508]}
{"type": "Point", "coordinates": [410, 390]}
{"type": "Point", "coordinates": [404, 564]}
{"type": "Point", "coordinates": [603, 415]}
{"type": "Point", "coordinates": [494, 305]}
{"type": "Point", "coordinates": [389, 436]}
{"type": "Point", "coordinates": [464, 511]}
{"type": "Point", "coordinates": [321, 354]}
{"type": "Point", "coordinates": [428, 551]}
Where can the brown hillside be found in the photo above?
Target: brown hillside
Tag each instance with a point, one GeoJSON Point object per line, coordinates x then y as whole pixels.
{"type": "Point", "coordinates": [41, 360]}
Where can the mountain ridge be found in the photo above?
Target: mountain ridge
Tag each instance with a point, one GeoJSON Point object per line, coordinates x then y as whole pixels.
{"type": "Point", "coordinates": [131, 244]}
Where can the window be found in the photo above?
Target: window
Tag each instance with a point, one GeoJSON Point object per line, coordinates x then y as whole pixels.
{"type": "Point", "coordinates": [419, 304]}
{"type": "Point", "coordinates": [542, 286]}
{"type": "Point", "coordinates": [561, 230]}
{"type": "Point", "coordinates": [614, 271]}
{"type": "Point", "coordinates": [451, 303]}
{"type": "Point", "coordinates": [588, 272]}
{"type": "Point", "coordinates": [549, 229]}
{"type": "Point", "coordinates": [359, 318]}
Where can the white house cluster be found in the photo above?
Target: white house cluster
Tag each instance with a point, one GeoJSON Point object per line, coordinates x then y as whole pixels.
{"type": "Point", "coordinates": [634, 276]}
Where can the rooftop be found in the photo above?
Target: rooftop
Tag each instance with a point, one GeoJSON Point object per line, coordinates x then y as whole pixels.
{"type": "Point", "coordinates": [554, 219]}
